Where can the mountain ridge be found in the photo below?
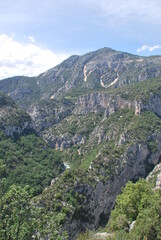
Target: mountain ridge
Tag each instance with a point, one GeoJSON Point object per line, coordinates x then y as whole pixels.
{"type": "Point", "coordinates": [102, 64]}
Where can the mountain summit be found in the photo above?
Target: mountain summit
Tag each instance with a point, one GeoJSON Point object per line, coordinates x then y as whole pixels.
{"type": "Point", "coordinates": [97, 70]}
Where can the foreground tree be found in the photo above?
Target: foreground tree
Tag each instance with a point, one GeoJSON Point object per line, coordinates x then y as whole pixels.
{"type": "Point", "coordinates": [15, 214]}
{"type": "Point", "coordinates": [139, 203]}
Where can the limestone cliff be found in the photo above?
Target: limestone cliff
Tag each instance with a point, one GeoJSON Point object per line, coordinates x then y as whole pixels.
{"type": "Point", "coordinates": [95, 103]}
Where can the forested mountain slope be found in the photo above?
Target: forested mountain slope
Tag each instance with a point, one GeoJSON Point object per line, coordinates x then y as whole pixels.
{"type": "Point", "coordinates": [101, 112]}
{"type": "Point", "coordinates": [25, 157]}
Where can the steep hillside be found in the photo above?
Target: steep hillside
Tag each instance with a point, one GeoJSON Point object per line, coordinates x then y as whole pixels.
{"type": "Point", "coordinates": [24, 157]}
{"type": "Point", "coordinates": [88, 113]}
{"type": "Point", "coordinates": [136, 214]}
{"type": "Point", "coordinates": [108, 140]}
{"type": "Point", "coordinates": [129, 150]}
{"type": "Point", "coordinates": [101, 112]}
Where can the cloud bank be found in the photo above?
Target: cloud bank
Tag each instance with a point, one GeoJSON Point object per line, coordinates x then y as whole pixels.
{"type": "Point", "coordinates": [25, 57]}
{"type": "Point", "coordinates": [149, 48]}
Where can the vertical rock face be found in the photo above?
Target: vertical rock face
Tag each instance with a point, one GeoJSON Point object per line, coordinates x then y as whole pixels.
{"type": "Point", "coordinates": [155, 176]}
{"type": "Point", "coordinates": [64, 141]}
{"type": "Point", "coordinates": [13, 131]}
{"type": "Point", "coordinates": [47, 113]}
{"type": "Point", "coordinates": [158, 182]}
{"type": "Point", "coordinates": [137, 108]}
{"type": "Point", "coordinates": [153, 104]}
{"type": "Point", "coordinates": [100, 200]}
{"type": "Point", "coordinates": [97, 102]}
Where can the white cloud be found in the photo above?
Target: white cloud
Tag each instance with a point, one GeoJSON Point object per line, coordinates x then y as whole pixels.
{"type": "Point", "coordinates": [25, 57]}
{"type": "Point", "coordinates": [32, 39]}
{"type": "Point", "coordinates": [149, 48]}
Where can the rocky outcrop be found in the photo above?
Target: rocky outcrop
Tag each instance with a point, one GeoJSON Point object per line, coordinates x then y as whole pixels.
{"type": "Point", "coordinates": [155, 176]}
{"type": "Point", "coordinates": [47, 113]}
{"type": "Point", "coordinates": [64, 141]}
{"type": "Point", "coordinates": [103, 236]}
{"type": "Point", "coordinates": [97, 102]}
{"type": "Point", "coordinates": [100, 200]}
{"type": "Point", "coordinates": [91, 103]}
{"type": "Point", "coordinates": [14, 131]}
{"type": "Point", "coordinates": [158, 182]}
{"type": "Point", "coordinates": [41, 118]}
{"type": "Point", "coordinates": [153, 104]}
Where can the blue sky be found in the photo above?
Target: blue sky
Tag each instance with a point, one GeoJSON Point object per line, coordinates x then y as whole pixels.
{"type": "Point", "coordinates": [36, 35]}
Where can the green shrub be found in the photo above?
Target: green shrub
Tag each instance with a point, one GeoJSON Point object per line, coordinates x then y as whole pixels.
{"type": "Point", "coordinates": [139, 203]}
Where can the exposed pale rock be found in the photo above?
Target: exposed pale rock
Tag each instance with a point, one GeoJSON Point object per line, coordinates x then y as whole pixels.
{"type": "Point", "coordinates": [101, 199]}
{"type": "Point", "coordinates": [16, 130]}
{"type": "Point", "coordinates": [156, 173]}
{"type": "Point", "coordinates": [132, 225]}
{"type": "Point", "coordinates": [64, 141]}
{"type": "Point", "coordinates": [102, 235]}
